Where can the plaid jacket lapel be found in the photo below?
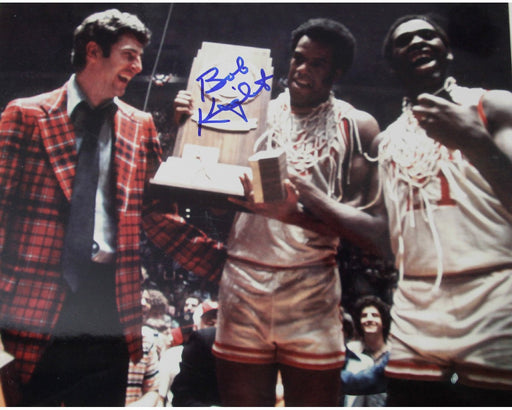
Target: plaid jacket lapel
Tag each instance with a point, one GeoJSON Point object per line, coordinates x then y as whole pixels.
{"type": "Point", "coordinates": [127, 130]}
{"type": "Point", "coordinates": [58, 138]}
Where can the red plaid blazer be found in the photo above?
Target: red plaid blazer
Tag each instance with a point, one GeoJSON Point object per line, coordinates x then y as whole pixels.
{"type": "Point", "coordinates": [37, 167]}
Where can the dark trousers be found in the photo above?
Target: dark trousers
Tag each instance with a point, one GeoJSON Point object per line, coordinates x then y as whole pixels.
{"type": "Point", "coordinates": [86, 363]}
{"type": "Point", "coordinates": [415, 393]}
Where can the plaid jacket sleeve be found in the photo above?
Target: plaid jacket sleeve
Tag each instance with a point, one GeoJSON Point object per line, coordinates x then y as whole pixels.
{"type": "Point", "coordinates": [186, 244]}
{"type": "Point", "coordinates": [13, 135]}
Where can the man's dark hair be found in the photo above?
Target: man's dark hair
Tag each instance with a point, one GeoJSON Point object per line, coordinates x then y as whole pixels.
{"type": "Point", "coordinates": [105, 28]}
{"type": "Point", "coordinates": [381, 306]}
{"type": "Point", "coordinates": [387, 46]}
{"type": "Point", "coordinates": [331, 33]}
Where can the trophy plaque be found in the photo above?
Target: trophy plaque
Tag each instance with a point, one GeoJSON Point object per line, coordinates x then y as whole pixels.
{"type": "Point", "coordinates": [231, 88]}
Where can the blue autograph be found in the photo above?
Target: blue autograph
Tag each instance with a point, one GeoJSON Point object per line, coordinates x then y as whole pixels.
{"type": "Point", "coordinates": [235, 106]}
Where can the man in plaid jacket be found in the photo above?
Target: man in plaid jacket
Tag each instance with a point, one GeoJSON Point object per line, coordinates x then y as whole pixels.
{"type": "Point", "coordinates": [73, 348]}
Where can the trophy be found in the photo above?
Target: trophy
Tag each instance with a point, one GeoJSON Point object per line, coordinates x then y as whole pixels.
{"type": "Point", "coordinates": [231, 88]}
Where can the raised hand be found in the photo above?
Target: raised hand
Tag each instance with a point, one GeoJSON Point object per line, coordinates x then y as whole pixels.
{"type": "Point", "coordinates": [453, 125]}
{"type": "Point", "coordinates": [183, 106]}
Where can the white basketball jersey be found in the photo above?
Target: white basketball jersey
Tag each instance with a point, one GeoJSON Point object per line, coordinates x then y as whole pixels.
{"type": "Point", "coordinates": [444, 218]}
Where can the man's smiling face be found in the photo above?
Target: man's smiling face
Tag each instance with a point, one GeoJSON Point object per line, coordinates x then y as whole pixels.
{"type": "Point", "coordinates": [118, 69]}
{"type": "Point", "coordinates": [371, 321]}
{"type": "Point", "coordinates": [311, 74]}
{"type": "Point", "coordinates": [418, 51]}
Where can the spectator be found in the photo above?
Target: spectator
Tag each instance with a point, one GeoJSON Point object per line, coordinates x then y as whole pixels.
{"type": "Point", "coordinates": [157, 323]}
{"type": "Point", "coordinates": [196, 383]}
{"type": "Point", "coordinates": [363, 379]}
{"type": "Point", "coordinates": [185, 327]}
{"type": "Point", "coordinates": [184, 319]}
{"type": "Point", "coordinates": [156, 305]}
{"type": "Point", "coordinates": [206, 314]}
{"type": "Point", "coordinates": [191, 304]}
{"type": "Point", "coordinates": [143, 377]}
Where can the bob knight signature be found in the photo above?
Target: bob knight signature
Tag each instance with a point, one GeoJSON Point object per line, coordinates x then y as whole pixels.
{"type": "Point", "coordinates": [211, 82]}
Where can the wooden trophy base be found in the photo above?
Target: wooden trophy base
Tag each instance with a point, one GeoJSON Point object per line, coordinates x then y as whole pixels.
{"type": "Point", "coordinates": [195, 181]}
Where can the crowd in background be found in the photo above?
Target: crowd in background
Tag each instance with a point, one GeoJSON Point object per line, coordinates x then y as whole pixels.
{"type": "Point", "coordinates": [174, 301]}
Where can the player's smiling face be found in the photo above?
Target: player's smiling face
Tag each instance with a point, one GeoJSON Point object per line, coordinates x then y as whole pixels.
{"type": "Point", "coordinates": [418, 51]}
{"type": "Point", "coordinates": [311, 74]}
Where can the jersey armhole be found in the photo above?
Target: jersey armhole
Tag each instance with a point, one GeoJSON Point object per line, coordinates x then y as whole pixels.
{"type": "Point", "coordinates": [481, 112]}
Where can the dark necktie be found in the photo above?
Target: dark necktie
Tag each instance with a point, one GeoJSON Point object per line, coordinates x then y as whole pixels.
{"type": "Point", "coordinates": [80, 229]}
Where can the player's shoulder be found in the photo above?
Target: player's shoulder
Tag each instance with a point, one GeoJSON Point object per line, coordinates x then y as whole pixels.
{"type": "Point", "coordinates": [364, 118]}
{"type": "Point", "coordinates": [497, 107]}
{"type": "Point", "coordinates": [367, 127]}
{"type": "Point", "coordinates": [500, 100]}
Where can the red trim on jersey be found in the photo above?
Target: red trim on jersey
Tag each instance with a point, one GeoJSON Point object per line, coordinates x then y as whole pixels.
{"type": "Point", "coordinates": [481, 112]}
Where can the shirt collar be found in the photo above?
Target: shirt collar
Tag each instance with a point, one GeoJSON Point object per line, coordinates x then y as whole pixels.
{"type": "Point", "coordinates": [76, 95]}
